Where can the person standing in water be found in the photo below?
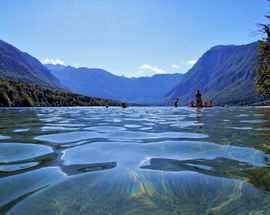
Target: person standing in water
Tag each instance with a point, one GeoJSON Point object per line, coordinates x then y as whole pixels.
{"type": "Point", "coordinates": [124, 105]}
{"type": "Point", "coordinates": [176, 103]}
{"type": "Point", "coordinates": [198, 98]}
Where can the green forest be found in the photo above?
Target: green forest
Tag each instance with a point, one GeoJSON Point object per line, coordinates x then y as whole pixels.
{"type": "Point", "coordinates": [263, 61]}
{"type": "Point", "coordinates": [20, 94]}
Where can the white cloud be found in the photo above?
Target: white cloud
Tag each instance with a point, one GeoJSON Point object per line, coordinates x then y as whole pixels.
{"type": "Point", "coordinates": [191, 62]}
{"type": "Point", "coordinates": [53, 61]}
{"type": "Point", "coordinates": [153, 69]}
{"type": "Point", "coordinates": [174, 66]}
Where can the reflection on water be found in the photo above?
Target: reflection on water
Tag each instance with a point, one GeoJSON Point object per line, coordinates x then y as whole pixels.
{"type": "Point", "coordinates": [134, 161]}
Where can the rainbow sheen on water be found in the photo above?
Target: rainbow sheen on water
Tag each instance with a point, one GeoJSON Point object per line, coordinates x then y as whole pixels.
{"type": "Point", "coordinates": [139, 160]}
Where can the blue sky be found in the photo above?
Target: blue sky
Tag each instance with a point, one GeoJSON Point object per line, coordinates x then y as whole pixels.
{"type": "Point", "coordinates": [128, 37]}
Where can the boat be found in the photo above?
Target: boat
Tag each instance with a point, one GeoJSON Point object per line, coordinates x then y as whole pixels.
{"type": "Point", "coordinates": [201, 106]}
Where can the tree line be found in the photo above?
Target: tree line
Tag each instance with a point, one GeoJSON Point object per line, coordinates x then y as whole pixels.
{"type": "Point", "coordinates": [20, 94]}
{"type": "Point", "coordinates": [263, 60]}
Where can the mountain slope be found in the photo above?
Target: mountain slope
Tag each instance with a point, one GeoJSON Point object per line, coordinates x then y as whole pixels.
{"type": "Point", "coordinates": [19, 94]}
{"type": "Point", "coordinates": [100, 83]}
{"type": "Point", "coordinates": [20, 66]}
{"type": "Point", "coordinates": [224, 73]}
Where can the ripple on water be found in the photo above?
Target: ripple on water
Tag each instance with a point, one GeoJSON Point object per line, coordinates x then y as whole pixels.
{"type": "Point", "coordinates": [149, 124]}
{"type": "Point", "coordinates": [146, 128]}
{"type": "Point", "coordinates": [111, 165]}
{"type": "Point", "coordinates": [2, 137]}
{"type": "Point", "coordinates": [184, 124]}
{"type": "Point", "coordinates": [262, 129]}
{"type": "Point", "coordinates": [258, 115]}
{"type": "Point", "coordinates": [242, 128]}
{"type": "Point", "coordinates": [115, 136]}
{"type": "Point", "coordinates": [57, 128]}
{"type": "Point", "coordinates": [132, 135]}
{"type": "Point", "coordinates": [103, 123]}
{"type": "Point", "coordinates": [16, 167]}
{"type": "Point", "coordinates": [141, 193]}
{"type": "Point", "coordinates": [254, 121]}
{"type": "Point", "coordinates": [18, 187]}
{"type": "Point", "coordinates": [51, 119]}
{"type": "Point", "coordinates": [77, 169]}
{"type": "Point", "coordinates": [105, 129]}
{"type": "Point", "coordinates": [75, 125]}
{"type": "Point", "coordinates": [131, 155]}
{"type": "Point", "coordinates": [189, 150]}
{"type": "Point", "coordinates": [21, 130]}
{"type": "Point", "coordinates": [69, 137]}
{"type": "Point", "coordinates": [243, 115]}
{"type": "Point", "coordinates": [14, 152]}
{"type": "Point", "coordinates": [132, 126]}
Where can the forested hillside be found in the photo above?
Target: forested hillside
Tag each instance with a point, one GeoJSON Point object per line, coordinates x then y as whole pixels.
{"type": "Point", "coordinates": [17, 93]}
{"type": "Point", "coordinates": [20, 66]}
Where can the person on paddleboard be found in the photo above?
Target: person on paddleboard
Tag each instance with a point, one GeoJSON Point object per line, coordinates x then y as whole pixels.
{"type": "Point", "coordinates": [198, 98]}
{"type": "Point", "coordinates": [176, 103]}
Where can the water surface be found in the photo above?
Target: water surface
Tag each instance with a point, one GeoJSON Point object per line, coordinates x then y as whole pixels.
{"type": "Point", "coordinates": [140, 160]}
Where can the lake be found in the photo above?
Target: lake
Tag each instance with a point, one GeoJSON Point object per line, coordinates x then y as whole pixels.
{"type": "Point", "coordinates": [139, 160]}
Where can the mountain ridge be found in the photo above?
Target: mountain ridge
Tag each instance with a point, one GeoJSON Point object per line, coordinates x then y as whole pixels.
{"type": "Point", "coordinates": [24, 81]}
{"type": "Point", "coordinates": [224, 73]}
{"type": "Point", "coordinates": [101, 83]}
{"type": "Point", "coordinates": [18, 65]}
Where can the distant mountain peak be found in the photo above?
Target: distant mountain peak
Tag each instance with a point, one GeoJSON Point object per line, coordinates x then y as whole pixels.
{"type": "Point", "coordinates": [101, 83]}
{"type": "Point", "coordinates": [18, 65]}
{"type": "Point", "coordinates": [55, 66]}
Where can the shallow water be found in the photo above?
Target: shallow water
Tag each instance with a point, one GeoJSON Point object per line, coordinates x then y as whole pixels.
{"type": "Point", "coordinates": [140, 160]}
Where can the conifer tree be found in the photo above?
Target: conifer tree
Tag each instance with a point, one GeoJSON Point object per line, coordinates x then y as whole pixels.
{"type": "Point", "coordinates": [263, 61]}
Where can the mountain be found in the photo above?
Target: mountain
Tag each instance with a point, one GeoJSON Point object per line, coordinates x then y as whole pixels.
{"type": "Point", "coordinates": [224, 73]}
{"type": "Point", "coordinates": [20, 94]}
{"type": "Point", "coordinates": [24, 81]}
{"type": "Point", "coordinates": [20, 66]}
{"type": "Point", "coordinates": [100, 83]}
{"type": "Point", "coordinates": [54, 66]}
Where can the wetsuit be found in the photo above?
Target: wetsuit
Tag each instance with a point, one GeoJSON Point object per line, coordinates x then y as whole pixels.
{"type": "Point", "coordinates": [198, 99]}
{"type": "Point", "coordinates": [176, 103]}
